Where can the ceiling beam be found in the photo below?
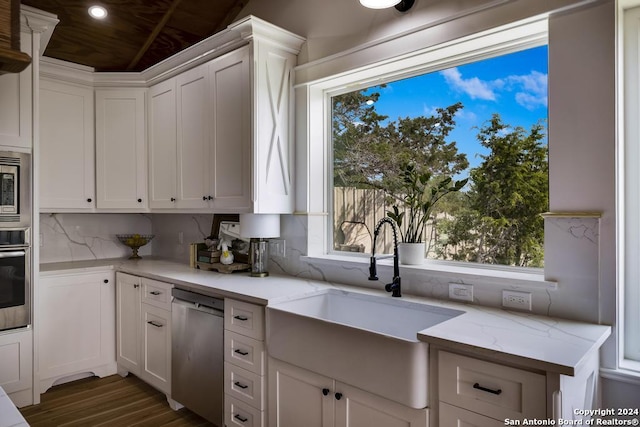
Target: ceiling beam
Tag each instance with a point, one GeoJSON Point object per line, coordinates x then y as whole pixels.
{"type": "Point", "coordinates": [154, 34]}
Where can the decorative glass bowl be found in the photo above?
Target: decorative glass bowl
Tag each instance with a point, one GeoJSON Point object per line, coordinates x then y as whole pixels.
{"type": "Point", "coordinates": [135, 242]}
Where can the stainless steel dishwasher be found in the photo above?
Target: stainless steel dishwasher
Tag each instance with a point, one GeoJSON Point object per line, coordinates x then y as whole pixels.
{"type": "Point", "coordinates": [197, 359]}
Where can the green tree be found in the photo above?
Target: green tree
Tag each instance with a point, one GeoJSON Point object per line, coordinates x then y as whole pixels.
{"type": "Point", "coordinates": [369, 149]}
{"type": "Point", "coordinates": [502, 223]}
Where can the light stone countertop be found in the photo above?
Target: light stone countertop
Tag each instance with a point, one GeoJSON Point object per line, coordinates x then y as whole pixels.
{"type": "Point", "coordinates": [9, 414]}
{"type": "Point", "coordinates": [539, 342]}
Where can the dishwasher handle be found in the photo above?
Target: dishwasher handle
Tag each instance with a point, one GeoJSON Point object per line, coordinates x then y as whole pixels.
{"type": "Point", "coordinates": [197, 301]}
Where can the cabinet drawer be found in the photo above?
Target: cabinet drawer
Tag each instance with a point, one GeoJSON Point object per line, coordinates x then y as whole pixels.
{"type": "Point", "coordinates": [156, 293]}
{"type": "Point", "coordinates": [490, 389]}
{"type": "Point", "coordinates": [452, 416]}
{"type": "Point", "coordinates": [244, 385]}
{"type": "Point", "coordinates": [244, 352]}
{"type": "Point", "coordinates": [244, 318]}
{"type": "Point", "coordinates": [238, 413]}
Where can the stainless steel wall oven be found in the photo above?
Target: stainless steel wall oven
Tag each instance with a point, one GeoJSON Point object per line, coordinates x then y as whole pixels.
{"type": "Point", "coordinates": [15, 282]}
{"type": "Point", "coordinates": [15, 240]}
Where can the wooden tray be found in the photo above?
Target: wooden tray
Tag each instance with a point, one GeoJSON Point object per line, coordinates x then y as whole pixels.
{"type": "Point", "coordinates": [223, 268]}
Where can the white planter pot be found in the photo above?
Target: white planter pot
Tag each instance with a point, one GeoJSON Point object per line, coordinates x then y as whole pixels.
{"type": "Point", "coordinates": [411, 253]}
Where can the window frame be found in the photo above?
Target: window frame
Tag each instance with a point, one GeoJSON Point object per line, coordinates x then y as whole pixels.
{"type": "Point", "coordinates": [316, 95]}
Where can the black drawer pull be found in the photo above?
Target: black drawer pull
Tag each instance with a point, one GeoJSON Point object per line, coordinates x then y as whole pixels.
{"type": "Point", "coordinates": [338, 396]}
{"type": "Point", "coordinates": [241, 419]}
{"type": "Point", "coordinates": [155, 293]}
{"type": "Point", "coordinates": [156, 324]}
{"type": "Point", "coordinates": [325, 391]}
{"type": "Point", "coordinates": [241, 318]}
{"type": "Point", "coordinates": [240, 352]}
{"type": "Point", "coordinates": [242, 386]}
{"type": "Point", "coordinates": [488, 390]}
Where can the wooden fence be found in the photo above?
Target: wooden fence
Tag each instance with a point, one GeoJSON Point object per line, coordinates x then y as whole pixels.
{"type": "Point", "coordinates": [355, 215]}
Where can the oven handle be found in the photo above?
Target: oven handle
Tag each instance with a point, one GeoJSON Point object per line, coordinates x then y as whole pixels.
{"type": "Point", "coordinates": [12, 254]}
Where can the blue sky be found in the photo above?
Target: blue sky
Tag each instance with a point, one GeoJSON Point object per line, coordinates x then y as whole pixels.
{"type": "Point", "coordinates": [513, 85]}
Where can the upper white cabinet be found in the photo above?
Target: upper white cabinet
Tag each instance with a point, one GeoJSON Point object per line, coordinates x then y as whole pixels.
{"type": "Point", "coordinates": [67, 168]}
{"type": "Point", "coordinates": [121, 149]}
{"type": "Point", "coordinates": [16, 102]}
{"type": "Point", "coordinates": [220, 133]}
{"type": "Point", "coordinates": [200, 132]}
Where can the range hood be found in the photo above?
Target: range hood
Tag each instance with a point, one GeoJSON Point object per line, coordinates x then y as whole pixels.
{"type": "Point", "coordinates": [12, 60]}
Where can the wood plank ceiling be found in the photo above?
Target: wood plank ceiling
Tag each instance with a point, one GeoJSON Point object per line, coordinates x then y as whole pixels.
{"type": "Point", "coordinates": [136, 34]}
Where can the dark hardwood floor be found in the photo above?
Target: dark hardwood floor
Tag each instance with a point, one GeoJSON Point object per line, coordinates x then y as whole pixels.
{"type": "Point", "coordinates": [111, 401]}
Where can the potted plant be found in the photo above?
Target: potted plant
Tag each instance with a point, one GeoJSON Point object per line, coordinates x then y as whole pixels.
{"type": "Point", "coordinates": [420, 192]}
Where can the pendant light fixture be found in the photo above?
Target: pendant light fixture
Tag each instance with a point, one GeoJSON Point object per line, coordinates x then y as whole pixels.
{"type": "Point", "coordinates": [400, 5]}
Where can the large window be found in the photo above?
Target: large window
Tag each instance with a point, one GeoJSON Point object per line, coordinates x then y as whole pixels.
{"type": "Point", "coordinates": [474, 136]}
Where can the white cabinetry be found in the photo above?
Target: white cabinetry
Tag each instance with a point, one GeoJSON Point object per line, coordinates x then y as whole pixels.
{"type": "Point", "coordinates": [16, 373]}
{"type": "Point", "coordinates": [301, 397]}
{"type": "Point", "coordinates": [244, 364]}
{"type": "Point", "coordinates": [144, 329]}
{"type": "Point", "coordinates": [121, 149]}
{"type": "Point", "coordinates": [75, 326]}
{"type": "Point", "coordinates": [220, 134]}
{"type": "Point", "coordinates": [484, 393]}
{"type": "Point", "coordinates": [67, 166]}
{"type": "Point", "coordinates": [16, 100]}
{"type": "Point", "coordinates": [199, 137]}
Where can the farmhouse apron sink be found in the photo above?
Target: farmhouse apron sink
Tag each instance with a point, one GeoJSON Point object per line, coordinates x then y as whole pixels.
{"type": "Point", "coordinates": [367, 341]}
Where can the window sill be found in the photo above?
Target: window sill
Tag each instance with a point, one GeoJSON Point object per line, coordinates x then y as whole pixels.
{"type": "Point", "coordinates": [500, 276]}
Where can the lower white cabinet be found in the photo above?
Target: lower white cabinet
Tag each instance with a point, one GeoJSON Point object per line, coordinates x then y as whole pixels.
{"type": "Point", "coordinates": [143, 316]}
{"type": "Point", "coordinates": [301, 397]}
{"type": "Point", "coordinates": [75, 326]}
{"type": "Point", "coordinates": [16, 365]}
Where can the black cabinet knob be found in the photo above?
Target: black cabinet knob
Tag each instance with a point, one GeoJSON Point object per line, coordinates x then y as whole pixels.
{"type": "Point", "coordinates": [106, 280]}
{"type": "Point", "coordinates": [173, 199]}
{"type": "Point", "coordinates": [338, 396]}
{"type": "Point", "coordinates": [210, 198]}
{"type": "Point", "coordinates": [139, 200]}
{"type": "Point", "coordinates": [204, 197]}
{"type": "Point", "coordinates": [89, 200]}
{"type": "Point", "coordinates": [325, 391]}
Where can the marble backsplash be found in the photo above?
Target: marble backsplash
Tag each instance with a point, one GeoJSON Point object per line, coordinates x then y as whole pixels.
{"type": "Point", "coordinates": [571, 249]}
{"type": "Point", "coordinates": [77, 237]}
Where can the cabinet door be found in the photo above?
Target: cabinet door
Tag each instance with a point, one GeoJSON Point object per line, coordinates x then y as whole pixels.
{"type": "Point", "coordinates": [156, 347]}
{"type": "Point", "coordinates": [193, 138]}
{"type": "Point", "coordinates": [230, 159]}
{"type": "Point", "coordinates": [16, 100]}
{"type": "Point", "coordinates": [452, 416]}
{"type": "Point", "coordinates": [357, 408]}
{"type": "Point", "coordinates": [128, 322]}
{"type": "Point", "coordinates": [75, 324]}
{"type": "Point", "coordinates": [162, 145]}
{"type": "Point", "coordinates": [121, 149]}
{"type": "Point", "coordinates": [298, 397]}
{"type": "Point", "coordinates": [67, 171]}
{"type": "Point", "coordinates": [272, 133]}
{"type": "Point", "coordinates": [16, 367]}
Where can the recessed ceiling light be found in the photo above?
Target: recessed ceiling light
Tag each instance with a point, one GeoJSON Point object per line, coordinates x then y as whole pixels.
{"type": "Point", "coordinates": [98, 12]}
{"type": "Point", "coordinates": [379, 4]}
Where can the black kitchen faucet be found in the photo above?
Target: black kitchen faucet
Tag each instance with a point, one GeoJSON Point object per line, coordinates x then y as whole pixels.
{"type": "Point", "coordinates": [394, 286]}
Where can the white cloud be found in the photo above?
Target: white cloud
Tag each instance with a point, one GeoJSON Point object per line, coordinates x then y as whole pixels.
{"type": "Point", "coordinates": [531, 89]}
{"type": "Point", "coordinates": [474, 87]}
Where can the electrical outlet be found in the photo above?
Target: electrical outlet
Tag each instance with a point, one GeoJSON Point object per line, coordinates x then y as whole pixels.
{"type": "Point", "coordinates": [460, 291]}
{"type": "Point", "coordinates": [514, 299]}
{"type": "Point", "coordinates": [277, 247]}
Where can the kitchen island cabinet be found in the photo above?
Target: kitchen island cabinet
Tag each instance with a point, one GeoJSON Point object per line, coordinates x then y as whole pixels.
{"type": "Point", "coordinates": [16, 362]}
